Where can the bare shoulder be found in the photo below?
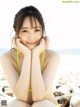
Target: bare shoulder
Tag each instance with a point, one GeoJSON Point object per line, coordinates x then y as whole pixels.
{"type": "Point", "coordinates": [53, 54]}
{"type": "Point", "coordinates": [5, 55]}
{"type": "Point", "coordinates": [8, 56]}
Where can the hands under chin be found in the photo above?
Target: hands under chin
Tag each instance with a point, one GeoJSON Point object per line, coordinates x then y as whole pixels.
{"type": "Point", "coordinates": [21, 47]}
{"type": "Point", "coordinates": [40, 47]}
{"type": "Point", "coordinates": [25, 49]}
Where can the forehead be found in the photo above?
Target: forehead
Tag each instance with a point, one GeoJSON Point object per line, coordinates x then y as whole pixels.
{"type": "Point", "coordinates": [31, 22]}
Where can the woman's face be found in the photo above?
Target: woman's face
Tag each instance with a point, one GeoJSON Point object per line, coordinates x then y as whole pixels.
{"type": "Point", "coordinates": [30, 35]}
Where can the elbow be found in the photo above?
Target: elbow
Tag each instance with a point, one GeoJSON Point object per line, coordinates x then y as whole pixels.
{"type": "Point", "coordinates": [38, 97]}
{"type": "Point", "coordinates": [20, 96]}
{"type": "Point", "coordinates": [22, 99]}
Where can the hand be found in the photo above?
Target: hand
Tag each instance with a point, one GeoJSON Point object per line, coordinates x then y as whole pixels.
{"type": "Point", "coordinates": [22, 48]}
{"type": "Point", "coordinates": [41, 47]}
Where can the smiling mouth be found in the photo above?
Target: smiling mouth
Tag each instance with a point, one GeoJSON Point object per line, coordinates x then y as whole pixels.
{"type": "Point", "coordinates": [31, 42]}
{"type": "Point", "coordinates": [34, 42]}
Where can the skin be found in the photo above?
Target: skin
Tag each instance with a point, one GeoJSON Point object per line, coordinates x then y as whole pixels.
{"type": "Point", "coordinates": [31, 46]}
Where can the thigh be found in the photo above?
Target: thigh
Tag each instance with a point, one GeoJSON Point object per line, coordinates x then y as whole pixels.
{"type": "Point", "coordinates": [18, 103]}
{"type": "Point", "coordinates": [44, 103]}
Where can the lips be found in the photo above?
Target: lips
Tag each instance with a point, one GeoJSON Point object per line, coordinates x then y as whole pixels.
{"type": "Point", "coordinates": [31, 42]}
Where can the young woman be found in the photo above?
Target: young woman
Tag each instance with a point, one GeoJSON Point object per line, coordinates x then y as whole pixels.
{"type": "Point", "coordinates": [30, 67]}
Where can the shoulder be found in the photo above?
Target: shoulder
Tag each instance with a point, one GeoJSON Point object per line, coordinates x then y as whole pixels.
{"type": "Point", "coordinates": [8, 60]}
{"type": "Point", "coordinates": [8, 55]}
{"type": "Point", "coordinates": [5, 55]}
{"type": "Point", "coordinates": [52, 54]}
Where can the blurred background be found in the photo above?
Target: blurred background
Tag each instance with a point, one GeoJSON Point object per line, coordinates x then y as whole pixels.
{"type": "Point", "coordinates": [62, 21]}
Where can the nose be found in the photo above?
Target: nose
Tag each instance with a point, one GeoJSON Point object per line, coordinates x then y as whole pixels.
{"type": "Point", "coordinates": [31, 37]}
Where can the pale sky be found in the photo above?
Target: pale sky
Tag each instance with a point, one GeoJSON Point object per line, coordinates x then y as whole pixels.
{"type": "Point", "coordinates": [62, 21]}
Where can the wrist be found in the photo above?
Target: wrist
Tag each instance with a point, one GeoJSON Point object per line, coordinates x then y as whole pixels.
{"type": "Point", "coordinates": [34, 53]}
{"type": "Point", "coordinates": [27, 54]}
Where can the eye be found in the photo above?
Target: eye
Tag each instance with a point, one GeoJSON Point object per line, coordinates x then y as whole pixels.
{"type": "Point", "coordinates": [24, 31]}
{"type": "Point", "coordinates": [37, 30]}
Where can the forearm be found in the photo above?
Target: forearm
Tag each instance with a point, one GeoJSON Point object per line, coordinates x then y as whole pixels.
{"type": "Point", "coordinates": [37, 83]}
{"type": "Point", "coordinates": [22, 86]}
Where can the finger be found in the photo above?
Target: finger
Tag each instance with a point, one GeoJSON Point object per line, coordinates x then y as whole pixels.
{"type": "Point", "coordinates": [43, 41]}
{"type": "Point", "coordinates": [18, 42]}
{"type": "Point", "coordinates": [43, 44]}
{"type": "Point", "coordinates": [18, 39]}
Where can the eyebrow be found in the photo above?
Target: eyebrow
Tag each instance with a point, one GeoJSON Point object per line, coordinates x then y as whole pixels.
{"type": "Point", "coordinates": [32, 27]}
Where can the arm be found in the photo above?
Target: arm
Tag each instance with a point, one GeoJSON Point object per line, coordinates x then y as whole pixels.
{"type": "Point", "coordinates": [22, 85]}
{"type": "Point", "coordinates": [21, 88]}
{"type": "Point", "coordinates": [42, 84]}
{"type": "Point", "coordinates": [37, 83]}
{"type": "Point", "coordinates": [19, 85]}
{"type": "Point", "coordinates": [49, 75]}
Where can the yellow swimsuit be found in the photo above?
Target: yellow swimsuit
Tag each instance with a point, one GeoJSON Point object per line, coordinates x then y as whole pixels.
{"type": "Point", "coordinates": [17, 61]}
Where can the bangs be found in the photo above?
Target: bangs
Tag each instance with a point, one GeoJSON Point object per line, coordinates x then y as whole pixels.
{"type": "Point", "coordinates": [33, 21]}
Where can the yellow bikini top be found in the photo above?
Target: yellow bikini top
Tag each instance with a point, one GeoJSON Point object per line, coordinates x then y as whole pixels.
{"type": "Point", "coordinates": [17, 61]}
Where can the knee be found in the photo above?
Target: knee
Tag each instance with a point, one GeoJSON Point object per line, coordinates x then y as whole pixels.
{"type": "Point", "coordinates": [44, 103]}
{"type": "Point", "coordinates": [18, 103]}
{"type": "Point", "coordinates": [35, 104]}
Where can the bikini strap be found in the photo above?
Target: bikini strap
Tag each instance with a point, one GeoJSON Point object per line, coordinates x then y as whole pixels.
{"type": "Point", "coordinates": [42, 61]}
{"type": "Point", "coordinates": [17, 61]}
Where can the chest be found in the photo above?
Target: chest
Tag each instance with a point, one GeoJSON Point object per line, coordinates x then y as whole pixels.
{"type": "Point", "coordinates": [18, 62]}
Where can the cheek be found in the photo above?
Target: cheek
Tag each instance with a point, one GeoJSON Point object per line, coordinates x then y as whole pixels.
{"type": "Point", "coordinates": [39, 36]}
{"type": "Point", "coordinates": [23, 38]}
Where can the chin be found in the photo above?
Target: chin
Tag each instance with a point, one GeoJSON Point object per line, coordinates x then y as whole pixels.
{"type": "Point", "coordinates": [31, 47]}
